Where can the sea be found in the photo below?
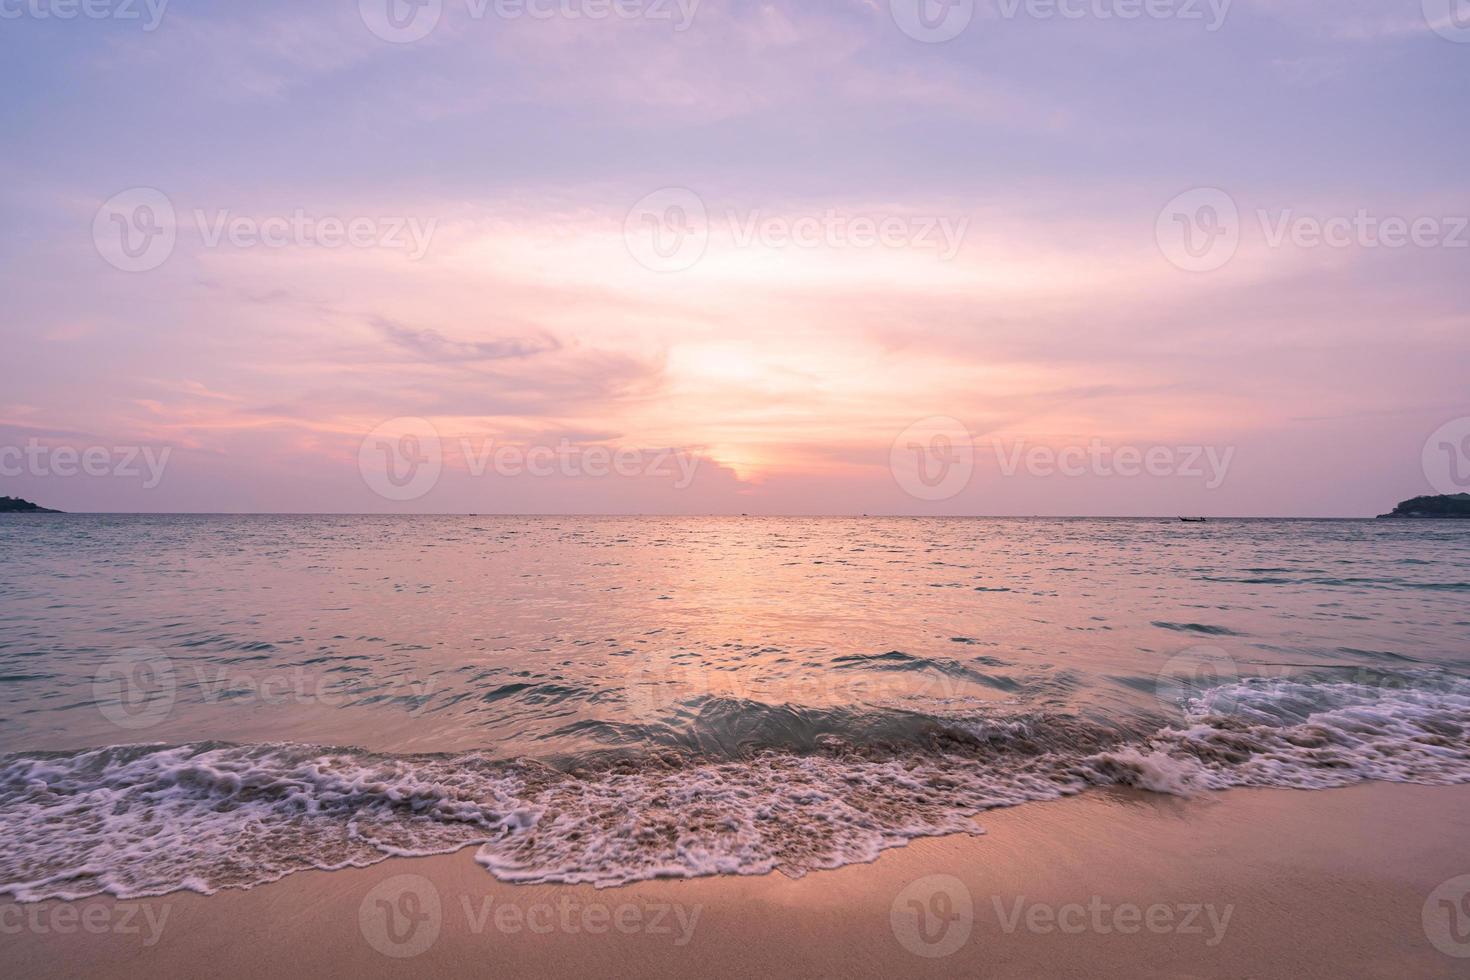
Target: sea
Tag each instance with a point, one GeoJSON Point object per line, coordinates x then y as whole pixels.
{"type": "Point", "coordinates": [204, 702]}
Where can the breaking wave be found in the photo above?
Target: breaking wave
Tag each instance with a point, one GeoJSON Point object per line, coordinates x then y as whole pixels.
{"type": "Point", "coordinates": [746, 789]}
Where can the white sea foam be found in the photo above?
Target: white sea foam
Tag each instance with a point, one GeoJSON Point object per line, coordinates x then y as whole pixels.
{"type": "Point", "coordinates": [1287, 733]}
{"type": "Point", "coordinates": [144, 820]}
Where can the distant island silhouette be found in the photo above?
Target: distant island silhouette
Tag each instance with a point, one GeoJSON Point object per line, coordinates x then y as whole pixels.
{"type": "Point", "coordinates": [1445, 506]}
{"type": "Point", "coordinates": [15, 505]}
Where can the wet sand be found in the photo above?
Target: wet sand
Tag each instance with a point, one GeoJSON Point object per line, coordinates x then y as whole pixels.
{"type": "Point", "coordinates": [1252, 883]}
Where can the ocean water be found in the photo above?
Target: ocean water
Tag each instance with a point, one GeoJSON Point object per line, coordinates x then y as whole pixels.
{"type": "Point", "coordinates": [208, 701]}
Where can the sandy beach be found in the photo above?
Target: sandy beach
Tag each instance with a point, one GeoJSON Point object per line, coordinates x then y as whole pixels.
{"type": "Point", "coordinates": [777, 490]}
{"type": "Point", "coordinates": [1252, 883]}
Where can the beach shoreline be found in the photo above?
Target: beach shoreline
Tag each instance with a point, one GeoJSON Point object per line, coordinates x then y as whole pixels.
{"type": "Point", "coordinates": [1261, 883]}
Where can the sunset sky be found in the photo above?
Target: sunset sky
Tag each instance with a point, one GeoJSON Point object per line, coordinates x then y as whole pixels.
{"type": "Point", "coordinates": [1024, 170]}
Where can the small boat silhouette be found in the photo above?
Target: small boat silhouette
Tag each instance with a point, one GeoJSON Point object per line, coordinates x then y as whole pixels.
{"type": "Point", "coordinates": [1194, 520]}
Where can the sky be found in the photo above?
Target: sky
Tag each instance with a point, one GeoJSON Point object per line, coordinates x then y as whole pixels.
{"type": "Point", "coordinates": [991, 257]}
